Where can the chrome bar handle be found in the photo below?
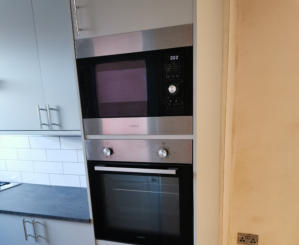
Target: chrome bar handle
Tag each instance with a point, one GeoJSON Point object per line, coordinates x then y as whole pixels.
{"type": "Point", "coordinates": [76, 17]}
{"type": "Point", "coordinates": [34, 230]}
{"type": "Point", "coordinates": [39, 109]}
{"type": "Point", "coordinates": [25, 229]}
{"type": "Point", "coordinates": [136, 170]}
{"type": "Point", "coordinates": [49, 109]}
{"type": "Point", "coordinates": [36, 235]}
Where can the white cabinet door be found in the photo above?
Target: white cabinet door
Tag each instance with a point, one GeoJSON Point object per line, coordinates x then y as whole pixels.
{"type": "Point", "coordinates": [20, 78]}
{"type": "Point", "coordinates": [55, 232]}
{"type": "Point", "coordinates": [57, 61]}
{"type": "Point", "coordinates": [103, 17]}
{"type": "Point", "coordinates": [12, 231]}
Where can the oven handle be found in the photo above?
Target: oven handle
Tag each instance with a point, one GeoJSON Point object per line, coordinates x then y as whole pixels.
{"type": "Point", "coordinates": [136, 170]}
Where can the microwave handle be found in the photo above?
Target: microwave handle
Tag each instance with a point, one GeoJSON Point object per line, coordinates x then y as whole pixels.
{"type": "Point", "coordinates": [136, 170]}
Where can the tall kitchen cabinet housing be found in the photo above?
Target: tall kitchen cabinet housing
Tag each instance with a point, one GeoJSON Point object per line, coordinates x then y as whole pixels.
{"type": "Point", "coordinates": [94, 18]}
{"type": "Point", "coordinates": [37, 66]}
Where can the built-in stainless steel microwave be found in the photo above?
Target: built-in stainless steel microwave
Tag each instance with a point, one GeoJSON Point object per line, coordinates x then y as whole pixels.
{"type": "Point", "coordinates": [137, 83]}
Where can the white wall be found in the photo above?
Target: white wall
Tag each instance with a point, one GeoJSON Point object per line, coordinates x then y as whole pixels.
{"type": "Point", "coordinates": [42, 160]}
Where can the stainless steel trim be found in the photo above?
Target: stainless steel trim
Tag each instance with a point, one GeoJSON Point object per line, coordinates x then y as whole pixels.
{"type": "Point", "coordinates": [176, 125]}
{"type": "Point", "coordinates": [162, 38]}
{"type": "Point", "coordinates": [76, 17]}
{"type": "Point", "coordinates": [39, 109]}
{"type": "Point", "coordinates": [136, 170]}
{"type": "Point", "coordinates": [179, 151]}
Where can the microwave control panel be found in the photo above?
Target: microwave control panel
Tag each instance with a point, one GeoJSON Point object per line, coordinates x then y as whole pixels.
{"type": "Point", "coordinates": [173, 86]}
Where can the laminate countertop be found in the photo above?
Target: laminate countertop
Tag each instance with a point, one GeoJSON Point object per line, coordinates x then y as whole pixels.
{"type": "Point", "coordinates": [54, 202]}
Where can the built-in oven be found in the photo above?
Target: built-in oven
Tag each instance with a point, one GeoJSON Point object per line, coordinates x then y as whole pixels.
{"type": "Point", "coordinates": [142, 190]}
{"type": "Point", "coordinates": [137, 83]}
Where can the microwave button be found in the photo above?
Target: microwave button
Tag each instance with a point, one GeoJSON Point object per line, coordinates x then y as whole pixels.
{"type": "Point", "coordinates": [107, 151]}
{"type": "Point", "coordinates": [172, 89]}
{"type": "Point", "coordinates": [163, 153]}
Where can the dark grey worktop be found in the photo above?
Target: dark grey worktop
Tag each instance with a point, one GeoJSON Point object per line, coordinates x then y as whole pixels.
{"type": "Point", "coordinates": [63, 203]}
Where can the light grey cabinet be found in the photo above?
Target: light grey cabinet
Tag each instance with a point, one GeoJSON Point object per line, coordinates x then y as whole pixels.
{"type": "Point", "coordinates": [20, 78]}
{"type": "Point", "coordinates": [37, 67]}
{"type": "Point", "coordinates": [15, 229]}
{"type": "Point", "coordinates": [12, 231]}
{"type": "Point", "coordinates": [55, 232]}
{"type": "Point", "coordinates": [103, 17]}
{"type": "Point", "coordinates": [57, 62]}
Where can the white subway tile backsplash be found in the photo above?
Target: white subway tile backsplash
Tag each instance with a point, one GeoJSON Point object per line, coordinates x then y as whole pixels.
{"type": "Point", "coordinates": [83, 181]}
{"type": "Point", "coordinates": [10, 176]}
{"type": "Point", "coordinates": [36, 178]}
{"type": "Point", "coordinates": [80, 156]}
{"type": "Point", "coordinates": [42, 142]}
{"type": "Point", "coordinates": [48, 167]}
{"type": "Point", "coordinates": [28, 154]}
{"type": "Point", "coordinates": [19, 166]}
{"type": "Point", "coordinates": [46, 160]}
{"type": "Point", "coordinates": [3, 165]}
{"type": "Point", "coordinates": [62, 155]}
{"type": "Point", "coordinates": [11, 141]}
{"type": "Point", "coordinates": [73, 168]}
{"type": "Point", "coordinates": [65, 180]}
{"type": "Point", "coordinates": [71, 143]}
{"type": "Point", "coordinates": [8, 154]}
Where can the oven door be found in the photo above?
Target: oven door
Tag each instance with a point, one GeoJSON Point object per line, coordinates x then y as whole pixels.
{"type": "Point", "coordinates": [142, 204]}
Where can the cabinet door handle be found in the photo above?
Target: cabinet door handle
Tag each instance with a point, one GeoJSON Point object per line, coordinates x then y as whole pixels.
{"type": "Point", "coordinates": [76, 17]}
{"type": "Point", "coordinates": [34, 230]}
{"type": "Point", "coordinates": [136, 170]}
{"type": "Point", "coordinates": [36, 235]}
{"type": "Point", "coordinates": [39, 109]}
{"type": "Point", "coordinates": [25, 230]}
{"type": "Point", "coordinates": [49, 109]}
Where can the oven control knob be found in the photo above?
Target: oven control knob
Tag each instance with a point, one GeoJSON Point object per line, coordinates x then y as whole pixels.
{"type": "Point", "coordinates": [172, 89]}
{"type": "Point", "coordinates": [163, 153]}
{"type": "Point", "coordinates": [107, 151]}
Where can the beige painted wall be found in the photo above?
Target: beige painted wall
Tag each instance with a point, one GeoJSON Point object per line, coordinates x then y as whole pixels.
{"type": "Point", "coordinates": [208, 70]}
{"type": "Point", "coordinates": [264, 190]}
{"type": "Point", "coordinates": [229, 64]}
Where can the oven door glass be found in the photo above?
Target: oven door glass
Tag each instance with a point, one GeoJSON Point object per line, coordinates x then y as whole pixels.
{"type": "Point", "coordinates": [142, 208]}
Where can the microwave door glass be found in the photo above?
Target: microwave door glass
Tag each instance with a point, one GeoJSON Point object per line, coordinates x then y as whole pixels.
{"type": "Point", "coordinates": [121, 89]}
